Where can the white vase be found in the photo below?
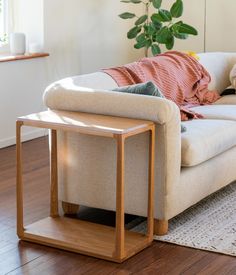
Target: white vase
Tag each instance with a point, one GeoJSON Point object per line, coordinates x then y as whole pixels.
{"type": "Point", "coordinates": [17, 43]}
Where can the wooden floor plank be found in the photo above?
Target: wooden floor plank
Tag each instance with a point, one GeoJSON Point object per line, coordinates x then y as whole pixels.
{"type": "Point", "coordinates": [17, 258]}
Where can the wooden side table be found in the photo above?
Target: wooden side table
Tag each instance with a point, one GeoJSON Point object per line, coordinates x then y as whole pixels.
{"type": "Point", "coordinates": [114, 244]}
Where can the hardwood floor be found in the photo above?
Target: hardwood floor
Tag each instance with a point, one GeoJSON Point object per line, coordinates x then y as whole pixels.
{"type": "Point", "coordinates": [27, 258]}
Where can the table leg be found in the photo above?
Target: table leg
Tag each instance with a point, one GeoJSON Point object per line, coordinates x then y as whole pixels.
{"type": "Point", "coordinates": [120, 223]}
{"type": "Point", "coordinates": [53, 175]}
{"type": "Point", "coordinates": [150, 213]}
{"type": "Point", "coordinates": [19, 184]}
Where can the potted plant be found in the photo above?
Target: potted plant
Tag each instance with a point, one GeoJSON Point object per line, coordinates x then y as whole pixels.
{"type": "Point", "coordinates": [161, 27]}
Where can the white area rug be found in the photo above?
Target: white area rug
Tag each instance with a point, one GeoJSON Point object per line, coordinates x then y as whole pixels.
{"type": "Point", "coordinates": [209, 225]}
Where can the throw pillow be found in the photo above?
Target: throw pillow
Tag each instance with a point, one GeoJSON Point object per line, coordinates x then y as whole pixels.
{"type": "Point", "coordinates": [147, 88]}
{"type": "Point", "coordinates": [231, 90]}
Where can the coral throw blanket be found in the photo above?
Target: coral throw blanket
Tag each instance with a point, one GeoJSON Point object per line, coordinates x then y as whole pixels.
{"type": "Point", "coordinates": [180, 77]}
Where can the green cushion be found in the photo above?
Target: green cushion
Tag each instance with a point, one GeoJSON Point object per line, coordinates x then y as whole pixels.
{"type": "Point", "coordinates": [147, 88]}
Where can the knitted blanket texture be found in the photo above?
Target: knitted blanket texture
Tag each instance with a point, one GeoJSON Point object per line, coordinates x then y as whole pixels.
{"type": "Point", "coordinates": [179, 76]}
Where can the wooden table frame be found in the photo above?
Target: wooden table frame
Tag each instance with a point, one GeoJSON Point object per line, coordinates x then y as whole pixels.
{"type": "Point", "coordinates": [126, 243]}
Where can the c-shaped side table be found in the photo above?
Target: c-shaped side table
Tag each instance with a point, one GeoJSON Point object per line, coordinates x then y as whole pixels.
{"type": "Point", "coordinates": [114, 244]}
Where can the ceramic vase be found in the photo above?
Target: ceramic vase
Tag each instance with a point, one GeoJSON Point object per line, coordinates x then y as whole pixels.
{"type": "Point", "coordinates": [17, 43]}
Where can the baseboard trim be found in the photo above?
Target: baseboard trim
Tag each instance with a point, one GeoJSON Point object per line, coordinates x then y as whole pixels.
{"type": "Point", "coordinates": [25, 137]}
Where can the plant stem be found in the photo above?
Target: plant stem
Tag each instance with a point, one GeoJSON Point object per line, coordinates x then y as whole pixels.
{"type": "Point", "coordinates": [146, 52]}
{"type": "Point", "coordinates": [147, 13]}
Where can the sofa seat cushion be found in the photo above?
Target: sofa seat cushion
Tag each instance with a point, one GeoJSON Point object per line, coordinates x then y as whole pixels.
{"type": "Point", "coordinates": [206, 138]}
{"type": "Point", "coordinates": [217, 111]}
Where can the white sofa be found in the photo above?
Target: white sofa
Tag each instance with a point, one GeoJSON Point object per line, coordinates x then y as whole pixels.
{"type": "Point", "coordinates": [189, 166]}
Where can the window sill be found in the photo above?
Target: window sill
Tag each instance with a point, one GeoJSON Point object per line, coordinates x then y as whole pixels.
{"type": "Point", "coordinates": [8, 58]}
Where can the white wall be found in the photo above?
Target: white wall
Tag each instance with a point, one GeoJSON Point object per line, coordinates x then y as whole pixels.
{"type": "Point", "coordinates": [28, 18]}
{"type": "Point", "coordinates": [23, 82]}
{"type": "Point", "coordinates": [194, 12]}
{"type": "Point", "coordinates": [84, 36]}
{"type": "Point", "coordinates": [22, 85]}
{"type": "Point", "coordinates": [221, 25]}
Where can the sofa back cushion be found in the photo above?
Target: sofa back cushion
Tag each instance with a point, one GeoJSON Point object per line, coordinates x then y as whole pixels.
{"type": "Point", "coordinates": [218, 64]}
{"type": "Point", "coordinates": [96, 80]}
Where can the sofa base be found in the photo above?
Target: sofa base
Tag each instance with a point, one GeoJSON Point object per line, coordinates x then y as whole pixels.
{"type": "Point", "coordinates": [70, 208]}
{"type": "Point", "coordinates": [160, 227]}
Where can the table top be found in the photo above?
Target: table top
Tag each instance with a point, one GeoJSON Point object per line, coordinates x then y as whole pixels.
{"type": "Point", "coordinates": [86, 123]}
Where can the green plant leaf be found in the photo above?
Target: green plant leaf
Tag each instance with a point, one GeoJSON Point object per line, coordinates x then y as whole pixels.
{"type": "Point", "coordinates": [132, 33]}
{"type": "Point", "coordinates": [164, 16]}
{"type": "Point", "coordinates": [146, 28]}
{"type": "Point", "coordinates": [155, 18]}
{"type": "Point", "coordinates": [157, 25]}
{"type": "Point", "coordinates": [151, 30]}
{"type": "Point", "coordinates": [170, 42]}
{"type": "Point", "coordinates": [160, 29]}
{"type": "Point", "coordinates": [141, 20]}
{"type": "Point", "coordinates": [127, 15]}
{"type": "Point", "coordinates": [155, 49]}
{"type": "Point", "coordinates": [177, 9]}
{"type": "Point", "coordinates": [148, 43]}
{"type": "Point", "coordinates": [141, 37]}
{"type": "Point", "coordinates": [175, 26]}
{"type": "Point", "coordinates": [180, 35]}
{"type": "Point", "coordinates": [156, 3]}
{"type": "Point", "coordinates": [139, 45]}
{"type": "Point", "coordinates": [163, 35]}
{"type": "Point", "coordinates": [143, 43]}
{"type": "Point", "coordinates": [175, 30]}
{"type": "Point", "coordinates": [187, 29]}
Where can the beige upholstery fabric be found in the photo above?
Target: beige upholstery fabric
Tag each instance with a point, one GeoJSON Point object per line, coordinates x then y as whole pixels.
{"type": "Point", "coordinates": [98, 80]}
{"type": "Point", "coordinates": [205, 139]}
{"type": "Point", "coordinates": [227, 100]}
{"type": "Point", "coordinates": [87, 173]}
{"type": "Point", "coordinates": [217, 111]}
{"type": "Point", "coordinates": [77, 182]}
{"type": "Point", "coordinates": [219, 66]}
{"type": "Point", "coordinates": [199, 181]}
{"type": "Point", "coordinates": [64, 96]}
{"type": "Point", "coordinates": [87, 164]}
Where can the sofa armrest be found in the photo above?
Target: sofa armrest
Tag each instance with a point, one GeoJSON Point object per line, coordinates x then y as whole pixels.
{"type": "Point", "coordinates": [64, 95]}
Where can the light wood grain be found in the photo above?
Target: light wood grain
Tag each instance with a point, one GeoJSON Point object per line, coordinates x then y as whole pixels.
{"type": "Point", "coordinates": [19, 184]}
{"type": "Point", "coordinates": [160, 227]}
{"type": "Point", "coordinates": [120, 222]}
{"type": "Point", "coordinates": [7, 58]}
{"type": "Point", "coordinates": [82, 237]}
{"type": "Point", "coordinates": [86, 123]}
{"type": "Point", "coordinates": [59, 232]}
{"type": "Point", "coordinates": [150, 214]}
{"type": "Point", "coordinates": [53, 175]}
